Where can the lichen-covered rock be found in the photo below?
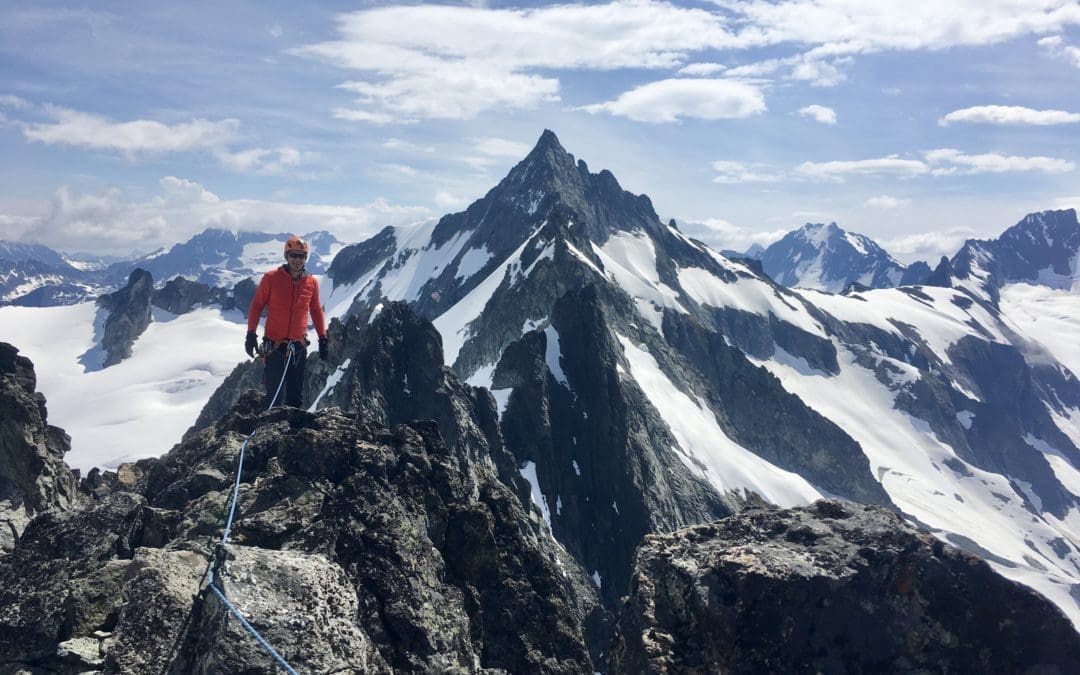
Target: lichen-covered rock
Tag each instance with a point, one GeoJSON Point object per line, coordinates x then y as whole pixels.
{"type": "Point", "coordinates": [833, 587]}
{"type": "Point", "coordinates": [33, 475]}
{"type": "Point", "coordinates": [303, 604]}
{"type": "Point", "coordinates": [63, 580]}
{"type": "Point", "coordinates": [160, 592]}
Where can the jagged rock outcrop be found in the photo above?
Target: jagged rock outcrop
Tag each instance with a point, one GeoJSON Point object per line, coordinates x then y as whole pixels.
{"type": "Point", "coordinates": [33, 476]}
{"type": "Point", "coordinates": [832, 587]}
{"type": "Point", "coordinates": [129, 315]}
{"type": "Point", "coordinates": [915, 273]}
{"type": "Point", "coordinates": [358, 545]}
{"type": "Point", "coordinates": [180, 296]}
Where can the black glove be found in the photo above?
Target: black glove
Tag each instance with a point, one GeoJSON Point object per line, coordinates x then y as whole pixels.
{"type": "Point", "coordinates": [324, 347]}
{"type": "Point", "coordinates": [251, 344]}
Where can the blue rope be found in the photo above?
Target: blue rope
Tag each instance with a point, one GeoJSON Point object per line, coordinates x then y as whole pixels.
{"type": "Point", "coordinates": [251, 629]}
{"type": "Point", "coordinates": [228, 528]}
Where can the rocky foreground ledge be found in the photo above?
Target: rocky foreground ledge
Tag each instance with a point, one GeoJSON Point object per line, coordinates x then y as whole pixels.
{"type": "Point", "coordinates": [834, 587]}
{"type": "Point", "coordinates": [369, 543]}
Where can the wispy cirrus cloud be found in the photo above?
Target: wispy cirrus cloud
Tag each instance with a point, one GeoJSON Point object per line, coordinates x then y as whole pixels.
{"type": "Point", "coordinates": [86, 130]}
{"type": "Point", "coordinates": [1009, 114]}
{"type": "Point", "coordinates": [732, 173]}
{"type": "Point", "coordinates": [886, 202]}
{"type": "Point", "coordinates": [135, 138]}
{"type": "Point", "coordinates": [109, 220]}
{"type": "Point", "coordinates": [950, 161]}
{"type": "Point", "coordinates": [939, 162]}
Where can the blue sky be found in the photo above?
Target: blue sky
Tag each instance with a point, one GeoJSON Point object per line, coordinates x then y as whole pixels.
{"type": "Point", "coordinates": [127, 126]}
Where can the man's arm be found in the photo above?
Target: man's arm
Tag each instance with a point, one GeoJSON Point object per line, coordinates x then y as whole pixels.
{"type": "Point", "coordinates": [317, 316]}
{"type": "Point", "coordinates": [258, 303]}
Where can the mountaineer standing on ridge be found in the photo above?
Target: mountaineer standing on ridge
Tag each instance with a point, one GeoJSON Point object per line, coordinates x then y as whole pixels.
{"type": "Point", "coordinates": [289, 293]}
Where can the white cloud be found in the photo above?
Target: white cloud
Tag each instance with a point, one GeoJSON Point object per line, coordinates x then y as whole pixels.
{"type": "Point", "coordinates": [399, 169]}
{"type": "Point", "coordinates": [86, 130]}
{"type": "Point", "coordinates": [669, 100]}
{"type": "Point", "coordinates": [446, 62]}
{"type": "Point", "coordinates": [1009, 114]}
{"type": "Point", "coordinates": [1057, 47]}
{"type": "Point", "coordinates": [275, 31]}
{"type": "Point", "coordinates": [928, 246]}
{"type": "Point", "coordinates": [12, 101]}
{"type": "Point", "coordinates": [263, 161]}
{"type": "Point", "coordinates": [702, 69]}
{"type": "Point", "coordinates": [723, 234]}
{"type": "Point", "coordinates": [819, 113]}
{"type": "Point", "coordinates": [500, 147]}
{"type": "Point", "coordinates": [848, 27]}
{"type": "Point", "coordinates": [954, 161]}
{"type": "Point", "coordinates": [110, 222]}
{"type": "Point", "coordinates": [445, 200]}
{"type": "Point", "coordinates": [400, 144]}
{"type": "Point", "coordinates": [434, 61]}
{"type": "Point", "coordinates": [150, 137]}
{"type": "Point", "coordinates": [445, 91]}
{"type": "Point", "coordinates": [730, 173]}
{"type": "Point", "coordinates": [887, 203]}
{"type": "Point", "coordinates": [837, 171]}
{"type": "Point", "coordinates": [940, 162]}
{"type": "Point", "coordinates": [819, 73]}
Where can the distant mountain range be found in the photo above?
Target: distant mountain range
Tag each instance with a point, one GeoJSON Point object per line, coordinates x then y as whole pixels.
{"type": "Point", "coordinates": [37, 276]}
{"type": "Point", "coordinates": [827, 258]}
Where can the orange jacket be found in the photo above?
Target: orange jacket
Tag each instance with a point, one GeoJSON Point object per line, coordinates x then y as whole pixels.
{"type": "Point", "coordinates": [289, 301]}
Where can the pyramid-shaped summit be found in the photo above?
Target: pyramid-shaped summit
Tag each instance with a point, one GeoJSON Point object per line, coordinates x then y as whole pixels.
{"type": "Point", "coordinates": [549, 181]}
{"type": "Point", "coordinates": [825, 257]}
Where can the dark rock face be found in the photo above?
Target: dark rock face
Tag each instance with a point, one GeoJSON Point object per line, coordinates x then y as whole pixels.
{"type": "Point", "coordinates": [602, 454]}
{"type": "Point", "coordinates": [33, 476]}
{"type": "Point", "coordinates": [358, 545]}
{"type": "Point", "coordinates": [180, 296]}
{"type": "Point", "coordinates": [129, 315]}
{"type": "Point", "coordinates": [772, 422]}
{"type": "Point", "coordinates": [833, 587]}
{"type": "Point", "coordinates": [915, 274]}
{"type": "Point", "coordinates": [1041, 244]}
{"type": "Point", "coordinates": [242, 294]}
{"type": "Point", "coordinates": [356, 260]}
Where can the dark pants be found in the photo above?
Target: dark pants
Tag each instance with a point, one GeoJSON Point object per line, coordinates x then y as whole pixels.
{"type": "Point", "coordinates": [292, 390]}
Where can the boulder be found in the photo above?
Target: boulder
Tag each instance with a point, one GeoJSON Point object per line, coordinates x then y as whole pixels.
{"type": "Point", "coordinates": [833, 587]}
{"type": "Point", "coordinates": [33, 476]}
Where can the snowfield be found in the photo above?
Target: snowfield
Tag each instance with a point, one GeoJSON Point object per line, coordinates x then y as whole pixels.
{"type": "Point", "coordinates": [139, 407]}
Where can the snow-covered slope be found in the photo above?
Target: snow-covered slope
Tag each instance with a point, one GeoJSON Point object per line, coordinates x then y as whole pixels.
{"type": "Point", "coordinates": [645, 381]}
{"type": "Point", "coordinates": [826, 258]}
{"type": "Point", "coordinates": [950, 406]}
{"type": "Point", "coordinates": [139, 407]}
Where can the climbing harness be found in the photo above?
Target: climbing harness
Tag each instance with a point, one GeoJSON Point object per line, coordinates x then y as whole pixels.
{"type": "Point", "coordinates": [219, 551]}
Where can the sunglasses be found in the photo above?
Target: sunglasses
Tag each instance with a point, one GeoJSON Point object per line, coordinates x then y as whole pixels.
{"type": "Point", "coordinates": [298, 256]}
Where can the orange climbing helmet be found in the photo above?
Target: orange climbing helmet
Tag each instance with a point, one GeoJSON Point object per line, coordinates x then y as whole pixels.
{"type": "Point", "coordinates": [297, 245]}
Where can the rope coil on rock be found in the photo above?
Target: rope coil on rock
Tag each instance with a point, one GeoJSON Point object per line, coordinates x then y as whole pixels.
{"type": "Point", "coordinates": [220, 549]}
